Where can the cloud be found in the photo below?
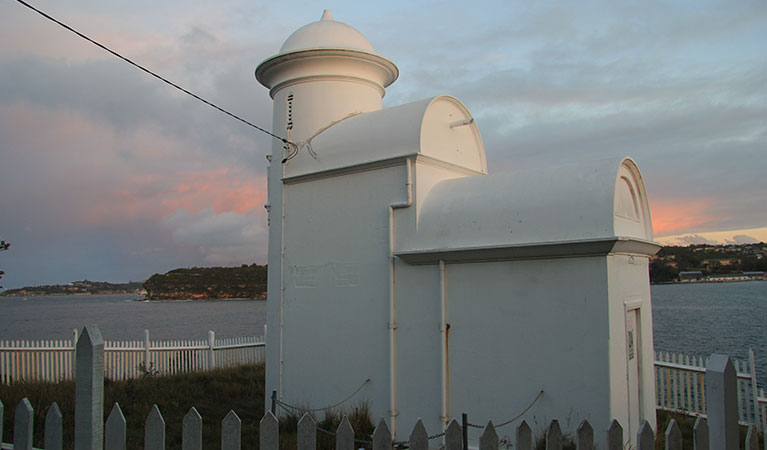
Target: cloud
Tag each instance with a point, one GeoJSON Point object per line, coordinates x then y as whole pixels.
{"type": "Point", "coordinates": [222, 239]}
{"type": "Point", "coordinates": [114, 172]}
{"type": "Point", "coordinates": [742, 239]}
{"type": "Point", "coordinates": [693, 239]}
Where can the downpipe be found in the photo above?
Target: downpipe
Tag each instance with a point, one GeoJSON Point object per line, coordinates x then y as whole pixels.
{"type": "Point", "coordinates": [393, 412]}
{"type": "Point", "coordinates": [444, 330]}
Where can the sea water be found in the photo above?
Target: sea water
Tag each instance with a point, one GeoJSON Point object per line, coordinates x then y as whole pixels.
{"type": "Point", "coordinates": [125, 317]}
{"type": "Point", "coordinates": [704, 318]}
{"type": "Point", "coordinates": [693, 319]}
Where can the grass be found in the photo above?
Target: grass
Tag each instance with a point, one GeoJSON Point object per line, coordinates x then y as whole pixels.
{"type": "Point", "coordinates": [212, 393]}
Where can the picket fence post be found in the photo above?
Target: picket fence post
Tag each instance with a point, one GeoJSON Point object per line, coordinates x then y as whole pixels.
{"type": "Point", "coordinates": [53, 429]}
{"type": "Point", "coordinates": [147, 357]}
{"type": "Point", "coordinates": [191, 430]}
{"type": "Point", "coordinates": [524, 437]}
{"type": "Point", "coordinates": [115, 435]}
{"type": "Point", "coordinates": [381, 437]}
{"type": "Point", "coordinates": [554, 436]}
{"type": "Point", "coordinates": [211, 348]}
{"type": "Point", "coordinates": [89, 390]}
{"type": "Point", "coordinates": [231, 431]}
{"type": "Point", "coordinates": [721, 393]}
{"type": "Point", "coordinates": [307, 433]}
{"type": "Point", "coordinates": [23, 423]}
{"type": "Point", "coordinates": [454, 436]}
{"type": "Point", "coordinates": [345, 435]}
{"type": "Point", "coordinates": [700, 434]}
{"type": "Point", "coordinates": [585, 433]}
{"type": "Point", "coordinates": [752, 438]}
{"type": "Point", "coordinates": [489, 438]}
{"type": "Point", "coordinates": [268, 431]}
{"type": "Point", "coordinates": [419, 437]}
{"type": "Point", "coordinates": [754, 390]}
{"type": "Point", "coordinates": [154, 430]}
{"type": "Point", "coordinates": [673, 436]}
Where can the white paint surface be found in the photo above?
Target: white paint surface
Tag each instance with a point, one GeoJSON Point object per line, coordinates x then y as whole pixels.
{"type": "Point", "coordinates": [394, 257]}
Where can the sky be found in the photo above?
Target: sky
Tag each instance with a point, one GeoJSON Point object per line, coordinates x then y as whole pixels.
{"type": "Point", "coordinates": [108, 174]}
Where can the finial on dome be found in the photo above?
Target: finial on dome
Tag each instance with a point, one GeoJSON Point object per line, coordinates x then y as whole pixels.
{"type": "Point", "coordinates": [326, 15]}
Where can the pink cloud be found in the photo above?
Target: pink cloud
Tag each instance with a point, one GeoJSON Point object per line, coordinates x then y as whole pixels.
{"type": "Point", "coordinates": [679, 216]}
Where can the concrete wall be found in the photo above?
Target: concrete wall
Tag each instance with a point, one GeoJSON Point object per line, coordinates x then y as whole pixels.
{"type": "Point", "coordinates": [630, 289]}
{"type": "Point", "coordinates": [335, 307]}
{"type": "Point", "coordinates": [515, 328]}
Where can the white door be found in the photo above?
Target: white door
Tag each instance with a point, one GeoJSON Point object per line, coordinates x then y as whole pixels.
{"type": "Point", "coordinates": [633, 358]}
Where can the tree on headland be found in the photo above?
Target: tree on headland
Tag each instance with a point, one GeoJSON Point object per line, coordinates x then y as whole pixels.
{"type": "Point", "coordinates": [3, 246]}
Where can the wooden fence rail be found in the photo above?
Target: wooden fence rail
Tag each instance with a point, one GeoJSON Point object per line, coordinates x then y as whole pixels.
{"type": "Point", "coordinates": [680, 386]}
{"type": "Point", "coordinates": [53, 360]}
{"type": "Point", "coordinates": [719, 432]}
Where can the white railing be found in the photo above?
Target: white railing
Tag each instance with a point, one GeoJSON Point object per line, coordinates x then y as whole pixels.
{"type": "Point", "coordinates": [53, 360]}
{"type": "Point", "coordinates": [680, 386]}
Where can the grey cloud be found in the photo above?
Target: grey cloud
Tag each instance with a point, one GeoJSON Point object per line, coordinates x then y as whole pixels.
{"type": "Point", "coordinates": [227, 238]}
{"type": "Point", "coordinates": [742, 239]}
{"type": "Point", "coordinates": [694, 239]}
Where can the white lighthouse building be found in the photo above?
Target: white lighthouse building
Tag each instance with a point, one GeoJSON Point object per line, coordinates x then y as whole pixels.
{"type": "Point", "coordinates": [395, 258]}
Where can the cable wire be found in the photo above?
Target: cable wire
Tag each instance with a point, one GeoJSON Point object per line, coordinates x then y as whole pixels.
{"type": "Point", "coordinates": [298, 408]}
{"type": "Point", "coordinates": [165, 80]}
{"type": "Point", "coordinates": [540, 394]}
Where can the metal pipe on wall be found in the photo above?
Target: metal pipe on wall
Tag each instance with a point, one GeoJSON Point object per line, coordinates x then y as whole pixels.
{"type": "Point", "coordinates": [444, 330]}
{"type": "Point", "coordinates": [393, 412]}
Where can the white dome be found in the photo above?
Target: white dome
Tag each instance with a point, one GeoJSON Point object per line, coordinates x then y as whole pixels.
{"type": "Point", "coordinates": [326, 33]}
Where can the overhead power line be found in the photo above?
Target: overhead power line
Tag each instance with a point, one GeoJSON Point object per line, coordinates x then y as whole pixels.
{"type": "Point", "coordinates": [165, 80]}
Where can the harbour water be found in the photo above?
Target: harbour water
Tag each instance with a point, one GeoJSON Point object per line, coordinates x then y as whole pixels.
{"type": "Point", "coordinates": [694, 319]}
{"type": "Point", "coordinates": [704, 318]}
{"type": "Point", "coordinates": [122, 317]}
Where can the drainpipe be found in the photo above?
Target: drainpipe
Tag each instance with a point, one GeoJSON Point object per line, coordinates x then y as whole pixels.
{"type": "Point", "coordinates": [444, 330]}
{"type": "Point", "coordinates": [282, 277]}
{"type": "Point", "coordinates": [393, 412]}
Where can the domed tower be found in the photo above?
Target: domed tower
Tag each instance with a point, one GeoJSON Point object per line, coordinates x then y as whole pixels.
{"type": "Point", "coordinates": [325, 71]}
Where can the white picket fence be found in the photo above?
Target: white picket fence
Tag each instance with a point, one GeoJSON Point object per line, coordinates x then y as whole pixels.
{"type": "Point", "coordinates": [54, 360]}
{"type": "Point", "coordinates": [719, 432]}
{"type": "Point", "coordinates": [680, 386]}
{"type": "Point", "coordinates": [680, 381]}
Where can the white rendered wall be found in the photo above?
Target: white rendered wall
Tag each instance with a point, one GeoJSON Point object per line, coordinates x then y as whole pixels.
{"type": "Point", "coordinates": [630, 289]}
{"type": "Point", "coordinates": [319, 103]}
{"type": "Point", "coordinates": [336, 301]}
{"type": "Point", "coordinates": [519, 327]}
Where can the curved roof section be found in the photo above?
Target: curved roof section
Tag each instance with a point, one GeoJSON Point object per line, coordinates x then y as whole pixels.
{"type": "Point", "coordinates": [586, 201]}
{"type": "Point", "coordinates": [326, 33]}
{"type": "Point", "coordinates": [421, 128]}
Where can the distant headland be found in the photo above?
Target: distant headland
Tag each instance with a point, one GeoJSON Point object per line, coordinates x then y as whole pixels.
{"type": "Point", "coordinates": [206, 283]}
{"type": "Point", "coordinates": [672, 264]}
{"type": "Point", "coordinates": [83, 287]}
{"type": "Point", "coordinates": [197, 283]}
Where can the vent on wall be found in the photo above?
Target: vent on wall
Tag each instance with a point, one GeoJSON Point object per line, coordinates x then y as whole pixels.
{"type": "Point", "coordinates": [290, 113]}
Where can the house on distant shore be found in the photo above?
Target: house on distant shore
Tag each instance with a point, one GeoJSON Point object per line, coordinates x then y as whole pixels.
{"type": "Point", "coordinates": [688, 276]}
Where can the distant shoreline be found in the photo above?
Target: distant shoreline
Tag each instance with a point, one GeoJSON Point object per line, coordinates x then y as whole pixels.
{"type": "Point", "coordinates": [708, 281]}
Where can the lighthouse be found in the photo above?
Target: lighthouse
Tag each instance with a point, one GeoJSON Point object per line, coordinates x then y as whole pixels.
{"type": "Point", "coordinates": [404, 276]}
